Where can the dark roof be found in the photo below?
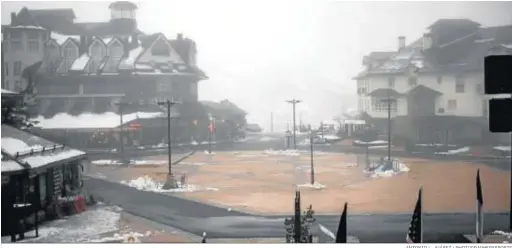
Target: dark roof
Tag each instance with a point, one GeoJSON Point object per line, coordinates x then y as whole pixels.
{"type": "Point", "coordinates": [453, 22]}
{"type": "Point", "coordinates": [462, 54]}
{"type": "Point", "coordinates": [123, 5]}
{"type": "Point", "coordinates": [223, 107]}
{"type": "Point", "coordinates": [381, 55]}
{"type": "Point", "coordinates": [384, 92]}
{"type": "Point", "coordinates": [421, 89]}
{"type": "Point", "coordinates": [66, 13]}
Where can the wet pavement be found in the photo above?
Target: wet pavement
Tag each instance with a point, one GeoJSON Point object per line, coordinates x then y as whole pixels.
{"type": "Point", "coordinates": [196, 218]}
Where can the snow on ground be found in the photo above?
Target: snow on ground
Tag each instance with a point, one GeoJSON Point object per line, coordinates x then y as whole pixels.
{"type": "Point", "coordinates": [375, 142]}
{"type": "Point", "coordinates": [131, 237]}
{"type": "Point", "coordinates": [146, 183]}
{"type": "Point", "coordinates": [78, 228]}
{"type": "Point", "coordinates": [499, 148]}
{"type": "Point", "coordinates": [457, 151]}
{"type": "Point", "coordinates": [282, 152]}
{"type": "Point", "coordinates": [378, 147]}
{"type": "Point", "coordinates": [331, 137]}
{"type": "Point", "coordinates": [316, 185]}
{"type": "Point", "coordinates": [382, 171]}
{"type": "Point", "coordinates": [430, 145]}
{"type": "Point", "coordinates": [133, 162]}
{"type": "Point", "coordinates": [502, 233]}
{"type": "Point", "coordinates": [209, 153]}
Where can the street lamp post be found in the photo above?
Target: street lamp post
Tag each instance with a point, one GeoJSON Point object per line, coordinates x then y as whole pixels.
{"type": "Point", "coordinates": [211, 127]}
{"type": "Point", "coordinates": [171, 182]}
{"type": "Point", "coordinates": [312, 171]}
{"type": "Point", "coordinates": [121, 105]}
{"type": "Point", "coordinates": [389, 101]}
{"type": "Point", "coordinates": [294, 102]}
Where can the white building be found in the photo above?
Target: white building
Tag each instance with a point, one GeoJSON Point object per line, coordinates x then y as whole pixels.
{"type": "Point", "coordinates": [437, 82]}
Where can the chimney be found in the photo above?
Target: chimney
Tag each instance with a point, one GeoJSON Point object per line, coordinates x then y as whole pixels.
{"type": "Point", "coordinates": [83, 45]}
{"type": "Point", "coordinates": [401, 42]}
{"type": "Point", "coordinates": [134, 41]}
{"type": "Point", "coordinates": [13, 18]}
{"type": "Point", "coordinates": [427, 41]}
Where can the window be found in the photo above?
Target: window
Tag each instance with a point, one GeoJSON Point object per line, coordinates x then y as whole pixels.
{"type": "Point", "coordinates": [70, 51]}
{"type": "Point", "coordinates": [32, 35]}
{"type": "Point", "coordinates": [439, 79]}
{"type": "Point", "coordinates": [17, 68]}
{"type": "Point", "coordinates": [379, 105]}
{"type": "Point", "coordinates": [391, 82]}
{"type": "Point", "coordinates": [160, 48]}
{"type": "Point", "coordinates": [16, 34]}
{"type": "Point", "coordinates": [459, 84]}
{"type": "Point", "coordinates": [16, 45]}
{"type": "Point", "coordinates": [116, 50]}
{"type": "Point", "coordinates": [452, 104]}
{"type": "Point", "coordinates": [33, 46]}
{"type": "Point", "coordinates": [97, 54]}
{"type": "Point", "coordinates": [413, 81]}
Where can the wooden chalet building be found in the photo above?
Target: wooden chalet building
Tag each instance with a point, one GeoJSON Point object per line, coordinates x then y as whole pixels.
{"type": "Point", "coordinates": [89, 67]}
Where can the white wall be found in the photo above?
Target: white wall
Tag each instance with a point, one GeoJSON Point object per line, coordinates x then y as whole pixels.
{"type": "Point", "coordinates": [469, 103]}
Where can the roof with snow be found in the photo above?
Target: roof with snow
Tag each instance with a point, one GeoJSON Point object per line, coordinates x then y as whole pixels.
{"type": "Point", "coordinates": [24, 151]}
{"type": "Point", "coordinates": [223, 107]}
{"type": "Point", "coordinates": [459, 45]}
{"type": "Point", "coordinates": [91, 121]}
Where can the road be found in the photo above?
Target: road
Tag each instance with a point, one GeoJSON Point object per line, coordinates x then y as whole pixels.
{"type": "Point", "coordinates": [196, 218]}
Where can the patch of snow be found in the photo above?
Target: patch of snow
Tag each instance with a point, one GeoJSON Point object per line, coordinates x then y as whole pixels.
{"type": "Point", "coordinates": [316, 185]}
{"type": "Point", "coordinates": [378, 147]}
{"type": "Point", "coordinates": [146, 183]}
{"type": "Point", "coordinates": [331, 137]}
{"type": "Point", "coordinates": [375, 142]}
{"type": "Point", "coordinates": [431, 145]}
{"type": "Point", "coordinates": [382, 171]}
{"type": "Point", "coordinates": [193, 163]}
{"type": "Point", "coordinates": [132, 162]}
{"type": "Point", "coordinates": [89, 120]}
{"type": "Point", "coordinates": [499, 148]}
{"type": "Point", "coordinates": [80, 63]}
{"type": "Point", "coordinates": [508, 46]}
{"type": "Point", "coordinates": [107, 40]}
{"type": "Point", "coordinates": [282, 152]}
{"type": "Point", "coordinates": [12, 146]}
{"type": "Point", "coordinates": [206, 152]}
{"type": "Point", "coordinates": [484, 40]}
{"type": "Point", "coordinates": [129, 62]}
{"type": "Point", "coordinates": [61, 39]}
{"type": "Point", "coordinates": [131, 237]}
{"type": "Point", "coordinates": [194, 143]}
{"type": "Point", "coordinates": [78, 228]}
{"type": "Point", "coordinates": [4, 91]}
{"type": "Point", "coordinates": [143, 67]}
{"type": "Point", "coordinates": [27, 27]}
{"type": "Point", "coordinates": [457, 151]}
{"type": "Point", "coordinates": [266, 138]}
{"type": "Point", "coordinates": [502, 233]}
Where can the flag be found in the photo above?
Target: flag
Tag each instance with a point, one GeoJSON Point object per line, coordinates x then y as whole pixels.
{"type": "Point", "coordinates": [415, 234]}
{"type": "Point", "coordinates": [204, 238]}
{"type": "Point", "coordinates": [479, 212]}
{"type": "Point", "coordinates": [341, 235]}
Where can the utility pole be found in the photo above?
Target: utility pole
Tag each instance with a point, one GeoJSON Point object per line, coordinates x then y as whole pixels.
{"type": "Point", "coordinates": [211, 128]}
{"type": "Point", "coordinates": [389, 101]}
{"type": "Point", "coordinates": [171, 182]}
{"type": "Point", "coordinates": [121, 106]}
{"type": "Point", "coordinates": [294, 102]}
{"type": "Point", "coordinates": [312, 170]}
{"type": "Point", "coordinates": [271, 122]}
{"type": "Point", "coordinates": [322, 129]}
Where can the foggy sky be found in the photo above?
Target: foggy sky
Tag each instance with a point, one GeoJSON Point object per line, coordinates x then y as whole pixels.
{"type": "Point", "coordinates": [259, 53]}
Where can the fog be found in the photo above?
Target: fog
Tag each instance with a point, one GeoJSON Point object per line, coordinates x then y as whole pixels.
{"type": "Point", "coordinates": [260, 53]}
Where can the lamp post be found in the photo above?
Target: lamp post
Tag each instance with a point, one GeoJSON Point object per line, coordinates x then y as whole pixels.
{"type": "Point", "coordinates": [389, 101]}
{"type": "Point", "coordinates": [171, 182]}
{"type": "Point", "coordinates": [294, 102]}
{"type": "Point", "coordinates": [121, 106]}
{"type": "Point", "coordinates": [211, 127]}
{"type": "Point", "coordinates": [312, 170]}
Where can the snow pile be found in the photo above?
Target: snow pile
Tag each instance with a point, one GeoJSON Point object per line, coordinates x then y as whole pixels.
{"type": "Point", "coordinates": [132, 162]}
{"type": "Point", "coordinates": [89, 120]}
{"type": "Point", "coordinates": [77, 228]}
{"type": "Point", "coordinates": [131, 237]}
{"type": "Point", "coordinates": [316, 185]}
{"type": "Point", "coordinates": [378, 147]}
{"type": "Point", "coordinates": [384, 171]}
{"type": "Point", "coordinates": [194, 143]}
{"type": "Point", "coordinates": [206, 152]}
{"type": "Point", "coordinates": [12, 146]}
{"type": "Point", "coordinates": [282, 152]}
{"type": "Point", "coordinates": [146, 183]}
{"type": "Point", "coordinates": [502, 233]}
{"type": "Point", "coordinates": [431, 145]}
{"type": "Point", "coordinates": [457, 151]}
{"type": "Point", "coordinates": [499, 148]}
{"type": "Point", "coordinates": [375, 142]}
{"type": "Point", "coordinates": [331, 137]}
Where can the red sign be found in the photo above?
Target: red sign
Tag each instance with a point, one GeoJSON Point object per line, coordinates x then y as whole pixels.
{"type": "Point", "coordinates": [135, 125]}
{"type": "Point", "coordinates": [211, 127]}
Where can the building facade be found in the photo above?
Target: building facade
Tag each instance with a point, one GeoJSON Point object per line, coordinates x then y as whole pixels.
{"type": "Point", "coordinates": [436, 82]}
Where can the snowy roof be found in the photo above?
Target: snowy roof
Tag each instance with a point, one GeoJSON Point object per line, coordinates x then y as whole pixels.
{"type": "Point", "coordinates": [128, 63]}
{"type": "Point", "coordinates": [80, 63]}
{"type": "Point", "coordinates": [9, 92]}
{"type": "Point", "coordinates": [60, 38]}
{"type": "Point", "coordinates": [22, 150]}
{"type": "Point", "coordinates": [27, 27]}
{"type": "Point", "coordinates": [89, 120]}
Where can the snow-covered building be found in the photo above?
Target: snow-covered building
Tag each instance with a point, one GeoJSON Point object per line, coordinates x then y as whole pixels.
{"type": "Point", "coordinates": [437, 82]}
{"type": "Point", "coordinates": [78, 67]}
{"type": "Point", "coordinates": [36, 173]}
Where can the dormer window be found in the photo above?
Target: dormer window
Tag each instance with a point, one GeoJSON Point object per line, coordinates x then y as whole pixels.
{"type": "Point", "coordinates": [160, 48]}
{"type": "Point", "coordinates": [70, 51]}
{"type": "Point", "coordinates": [116, 50]}
{"type": "Point", "coordinates": [115, 53]}
{"type": "Point", "coordinates": [97, 51]}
